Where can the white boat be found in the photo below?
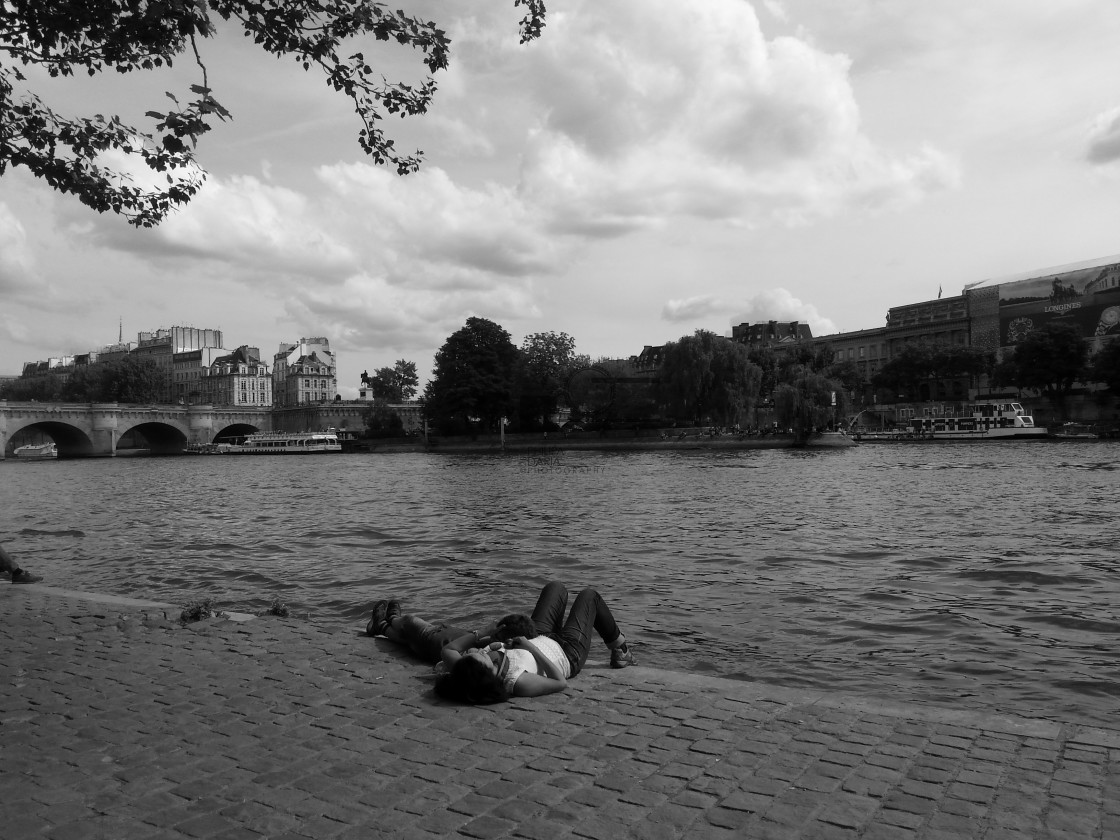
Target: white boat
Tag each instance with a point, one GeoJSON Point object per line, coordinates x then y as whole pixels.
{"type": "Point", "coordinates": [286, 443]}
{"type": "Point", "coordinates": [37, 452]}
{"type": "Point", "coordinates": [975, 421]}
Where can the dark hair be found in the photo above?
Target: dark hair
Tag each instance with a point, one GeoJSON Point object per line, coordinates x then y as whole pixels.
{"type": "Point", "coordinates": [469, 681]}
{"type": "Point", "coordinates": [514, 625]}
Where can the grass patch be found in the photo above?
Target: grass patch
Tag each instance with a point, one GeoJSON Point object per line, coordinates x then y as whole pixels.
{"type": "Point", "coordinates": [198, 610]}
{"type": "Point", "coordinates": [278, 608]}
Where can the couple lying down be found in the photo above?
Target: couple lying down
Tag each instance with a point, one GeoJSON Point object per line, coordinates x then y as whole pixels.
{"type": "Point", "coordinates": [518, 656]}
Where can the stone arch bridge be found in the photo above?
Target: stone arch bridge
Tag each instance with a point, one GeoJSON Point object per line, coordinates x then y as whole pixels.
{"type": "Point", "coordinates": [93, 429]}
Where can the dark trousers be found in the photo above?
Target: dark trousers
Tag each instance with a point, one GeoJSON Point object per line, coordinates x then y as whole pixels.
{"type": "Point", "coordinates": [589, 612]}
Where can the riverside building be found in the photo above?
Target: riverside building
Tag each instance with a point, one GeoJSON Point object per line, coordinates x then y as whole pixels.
{"type": "Point", "coordinates": [304, 372]}
{"type": "Point", "coordinates": [238, 378]}
{"type": "Point", "coordinates": [995, 315]}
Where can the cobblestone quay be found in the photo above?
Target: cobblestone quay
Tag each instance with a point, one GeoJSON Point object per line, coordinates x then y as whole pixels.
{"type": "Point", "coordinates": [119, 723]}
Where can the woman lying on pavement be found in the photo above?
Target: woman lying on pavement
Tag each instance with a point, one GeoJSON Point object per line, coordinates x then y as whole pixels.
{"type": "Point", "coordinates": [541, 665]}
{"type": "Point", "coordinates": [543, 653]}
{"type": "Point", "coordinates": [427, 640]}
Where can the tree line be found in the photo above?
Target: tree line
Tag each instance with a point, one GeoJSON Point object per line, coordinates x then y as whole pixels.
{"type": "Point", "coordinates": [124, 380]}
{"type": "Point", "coordinates": [482, 380]}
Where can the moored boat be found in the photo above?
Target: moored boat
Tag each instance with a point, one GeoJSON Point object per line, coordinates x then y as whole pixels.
{"type": "Point", "coordinates": [1073, 431]}
{"type": "Point", "coordinates": [830, 440]}
{"type": "Point", "coordinates": [975, 421]}
{"type": "Point", "coordinates": [286, 443]}
{"type": "Point", "coordinates": [206, 448]}
{"type": "Point", "coordinates": [37, 452]}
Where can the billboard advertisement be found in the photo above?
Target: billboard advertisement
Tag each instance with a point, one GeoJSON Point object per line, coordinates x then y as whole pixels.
{"type": "Point", "coordinates": [1087, 298]}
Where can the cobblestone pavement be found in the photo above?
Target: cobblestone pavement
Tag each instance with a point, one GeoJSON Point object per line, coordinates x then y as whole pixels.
{"type": "Point", "coordinates": [118, 723]}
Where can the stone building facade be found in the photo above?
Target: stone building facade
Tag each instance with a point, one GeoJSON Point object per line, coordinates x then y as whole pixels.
{"type": "Point", "coordinates": [239, 378]}
{"type": "Point", "coordinates": [304, 372]}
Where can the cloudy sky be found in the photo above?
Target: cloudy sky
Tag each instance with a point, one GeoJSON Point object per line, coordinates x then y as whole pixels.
{"type": "Point", "coordinates": [646, 169]}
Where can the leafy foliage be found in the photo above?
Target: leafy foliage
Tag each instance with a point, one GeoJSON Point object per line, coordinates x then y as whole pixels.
{"type": "Point", "coordinates": [124, 380]}
{"type": "Point", "coordinates": [805, 403]}
{"type": "Point", "coordinates": [199, 610]}
{"type": "Point", "coordinates": [1050, 360]}
{"type": "Point", "coordinates": [383, 422]}
{"type": "Point", "coordinates": [38, 388]}
{"type": "Point", "coordinates": [706, 378]}
{"type": "Point", "coordinates": [394, 384]}
{"type": "Point", "coordinates": [611, 394]}
{"type": "Point", "coordinates": [547, 362]}
{"type": "Point", "coordinates": [922, 371]}
{"type": "Point", "coordinates": [68, 36]}
{"type": "Point", "coordinates": [473, 378]}
{"type": "Point", "coordinates": [277, 608]}
{"type": "Point", "coordinates": [1105, 366]}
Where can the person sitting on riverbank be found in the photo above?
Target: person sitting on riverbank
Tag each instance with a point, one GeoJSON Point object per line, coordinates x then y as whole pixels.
{"type": "Point", "coordinates": [10, 568]}
{"type": "Point", "coordinates": [533, 667]}
{"type": "Point", "coordinates": [427, 640]}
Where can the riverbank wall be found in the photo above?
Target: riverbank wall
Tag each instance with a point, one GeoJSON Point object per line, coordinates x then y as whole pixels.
{"type": "Point", "coordinates": [575, 441]}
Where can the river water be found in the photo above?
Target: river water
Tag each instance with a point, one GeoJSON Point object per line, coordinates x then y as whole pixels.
{"type": "Point", "coordinates": [983, 575]}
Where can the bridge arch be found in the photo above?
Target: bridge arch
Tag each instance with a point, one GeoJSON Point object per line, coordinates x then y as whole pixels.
{"type": "Point", "coordinates": [162, 437]}
{"type": "Point", "coordinates": [234, 432]}
{"type": "Point", "coordinates": [72, 442]}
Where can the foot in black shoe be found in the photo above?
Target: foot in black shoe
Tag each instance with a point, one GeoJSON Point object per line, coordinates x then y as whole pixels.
{"type": "Point", "coordinates": [393, 610]}
{"type": "Point", "coordinates": [622, 656]}
{"type": "Point", "coordinates": [377, 624]}
{"type": "Point", "coordinates": [20, 576]}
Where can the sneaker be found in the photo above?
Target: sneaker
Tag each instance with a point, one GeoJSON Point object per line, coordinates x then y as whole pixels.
{"type": "Point", "coordinates": [393, 610]}
{"type": "Point", "coordinates": [622, 656]}
{"type": "Point", "coordinates": [20, 576]}
{"type": "Point", "coordinates": [377, 623]}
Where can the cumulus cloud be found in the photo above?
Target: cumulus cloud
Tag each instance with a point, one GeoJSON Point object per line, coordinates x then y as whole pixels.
{"type": "Point", "coordinates": [17, 261]}
{"type": "Point", "coordinates": [432, 231]}
{"type": "Point", "coordinates": [371, 258]}
{"type": "Point", "coordinates": [780, 305]}
{"type": "Point", "coordinates": [247, 224]}
{"type": "Point", "coordinates": [658, 109]}
{"type": "Point", "coordinates": [769, 305]}
{"type": "Point", "coordinates": [690, 309]}
{"type": "Point", "coordinates": [1104, 138]}
{"type": "Point", "coordinates": [369, 312]}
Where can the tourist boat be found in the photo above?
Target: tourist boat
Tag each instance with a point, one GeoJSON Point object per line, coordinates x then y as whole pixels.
{"type": "Point", "coordinates": [286, 443]}
{"type": "Point", "coordinates": [976, 421]}
{"type": "Point", "coordinates": [37, 452]}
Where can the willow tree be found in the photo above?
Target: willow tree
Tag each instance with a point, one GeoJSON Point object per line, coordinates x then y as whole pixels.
{"type": "Point", "coordinates": [64, 37]}
{"type": "Point", "coordinates": [707, 378]}
{"type": "Point", "coordinates": [808, 402]}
